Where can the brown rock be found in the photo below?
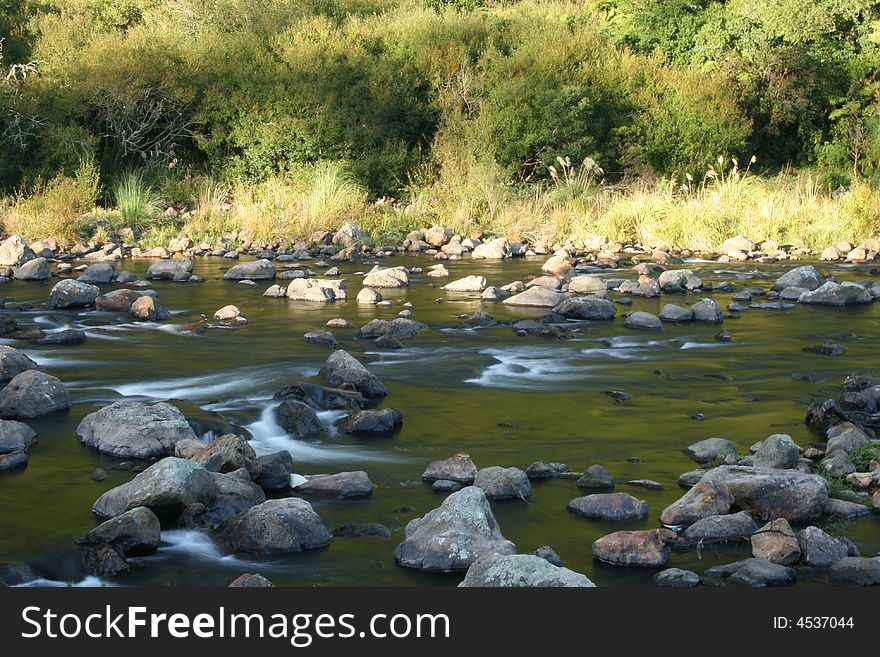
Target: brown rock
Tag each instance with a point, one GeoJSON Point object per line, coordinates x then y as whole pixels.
{"type": "Point", "coordinates": [639, 548]}
{"type": "Point", "coordinates": [776, 542]}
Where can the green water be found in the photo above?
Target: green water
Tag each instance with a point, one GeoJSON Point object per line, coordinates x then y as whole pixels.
{"type": "Point", "coordinates": [504, 399]}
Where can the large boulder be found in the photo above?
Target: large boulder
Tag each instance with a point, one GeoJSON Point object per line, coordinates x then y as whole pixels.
{"type": "Point", "coordinates": [385, 420]}
{"type": "Point", "coordinates": [275, 470]}
{"type": "Point", "coordinates": [133, 533]}
{"type": "Point", "coordinates": [33, 270]}
{"type": "Point", "coordinates": [805, 277]}
{"type": "Point", "coordinates": [32, 394]}
{"type": "Point", "coordinates": [278, 526]}
{"type": "Point", "coordinates": [166, 488]}
{"type": "Point", "coordinates": [710, 449]}
{"type": "Point", "coordinates": [72, 294]}
{"type": "Point", "coordinates": [521, 570]}
{"type": "Point", "coordinates": [778, 451]}
{"type": "Point", "coordinates": [717, 529]}
{"type": "Point", "coordinates": [341, 485]}
{"type": "Point", "coordinates": [459, 468]}
{"type": "Point", "coordinates": [836, 294]}
{"type": "Point", "coordinates": [776, 542]}
{"type": "Point", "coordinates": [14, 252]}
{"type": "Point", "coordinates": [454, 535]}
{"type": "Point", "coordinates": [297, 418]}
{"type": "Point", "coordinates": [170, 270]}
{"type": "Point", "coordinates": [227, 454]}
{"type": "Point", "coordinates": [589, 307]}
{"type": "Point", "coordinates": [754, 573]}
{"type": "Point", "coordinates": [15, 436]}
{"type": "Point", "coordinates": [536, 297]}
{"type": "Point", "coordinates": [764, 492]}
{"type": "Point", "coordinates": [341, 368]}
{"type": "Point", "coordinates": [316, 290]}
{"type": "Point", "coordinates": [614, 507]}
{"type": "Point", "coordinates": [132, 429]}
{"type": "Point", "coordinates": [350, 236]}
{"type": "Point", "coordinates": [99, 273]}
{"type": "Point", "coordinates": [820, 549]}
{"type": "Point", "coordinates": [467, 284]}
{"type": "Point", "coordinates": [637, 548]}
{"type": "Point", "coordinates": [13, 362]}
{"type": "Point", "coordinates": [503, 483]}
{"type": "Point", "coordinates": [255, 270]}
{"type": "Point", "coordinates": [497, 249]}
{"type": "Point", "coordinates": [391, 277]}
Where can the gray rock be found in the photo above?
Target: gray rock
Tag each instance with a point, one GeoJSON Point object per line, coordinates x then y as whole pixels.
{"type": "Point", "coordinates": [710, 449]}
{"type": "Point", "coordinates": [536, 297]}
{"type": "Point", "coordinates": [227, 454]}
{"type": "Point", "coordinates": [547, 553]}
{"type": "Point", "coordinates": [15, 436]}
{"type": "Point", "coordinates": [72, 294]}
{"type": "Point", "coordinates": [351, 236]}
{"type": "Point", "coordinates": [97, 274]}
{"type": "Point", "coordinates": [643, 320]}
{"type": "Point", "coordinates": [676, 578]}
{"type": "Point", "coordinates": [596, 477]}
{"type": "Point", "coordinates": [102, 561]}
{"type": "Point", "coordinates": [341, 368]}
{"type": "Point", "coordinates": [674, 280]}
{"type": "Point", "coordinates": [254, 270]}
{"type": "Point", "coordinates": [390, 278]}
{"type": "Point", "coordinates": [33, 270]}
{"type": "Point", "coordinates": [520, 570]}
{"type": "Point", "coordinates": [856, 571]}
{"type": "Point", "coordinates": [170, 270]}
{"type": "Point", "coordinates": [754, 573]}
{"type": "Point", "coordinates": [673, 313]}
{"type": "Point", "coordinates": [503, 483]}
{"type": "Point", "coordinates": [589, 308]}
{"type": "Point", "coordinates": [846, 437]}
{"type": "Point", "coordinates": [316, 290]}
{"type": "Point", "coordinates": [638, 548]}
{"type": "Point", "coordinates": [819, 549]}
{"type": "Point", "coordinates": [836, 294]}
{"type": "Point", "coordinates": [846, 510]}
{"type": "Point", "coordinates": [776, 542]}
{"type": "Point", "coordinates": [707, 310]}
{"type": "Point", "coordinates": [32, 394]}
{"type": "Point", "coordinates": [541, 470]}
{"type": "Point", "coordinates": [67, 336]}
{"type": "Point", "coordinates": [497, 249]}
{"type": "Point", "coordinates": [459, 468]}
{"type": "Point", "coordinates": [133, 533]}
{"type": "Point", "coordinates": [275, 470]}
{"type": "Point", "coordinates": [615, 507]}
{"type": "Point", "coordinates": [323, 338]}
{"type": "Point", "coordinates": [13, 460]}
{"type": "Point", "coordinates": [690, 478]}
{"type": "Point", "coordinates": [275, 527]}
{"type": "Point", "coordinates": [373, 421]}
{"type": "Point", "coordinates": [166, 488]}
{"type": "Point", "coordinates": [13, 362]}
{"type": "Point", "coordinates": [805, 277]}
{"type": "Point", "coordinates": [717, 529]}
{"type": "Point", "coordinates": [445, 486]}
{"type": "Point", "coordinates": [454, 535]}
{"type": "Point", "coordinates": [777, 451]}
{"type": "Point", "coordinates": [133, 429]}
{"type": "Point", "coordinates": [588, 285]}
{"type": "Point", "coordinates": [340, 486]}
{"type": "Point", "coordinates": [233, 495]}
{"type": "Point", "coordinates": [298, 419]}
{"type": "Point", "coordinates": [14, 252]}
{"type": "Point", "coordinates": [836, 464]}
{"type": "Point", "coordinates": [321, 398]}
{"type": "Point", "coordinates": [467, 284]}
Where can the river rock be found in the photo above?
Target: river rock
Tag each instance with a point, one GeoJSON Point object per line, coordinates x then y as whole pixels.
{"type": "Point", "coordinates": [707, 310]}
{"type": "Point", "coordinates": [101, 561]}
{"type": "Point", "coordinates": [13, 362]}
{"type": "Point", "coordinates": [635, 548]}
{"type": "Point", "coordinates": [819, 549]}
{"type": "Point", "coordinates": [351, 236]}
{"type": "Point", "coordinates": [493, 293]}
{"type": "Point", "coordinates": [170, 270]}
{"type": "Point", "coordinates": [591, 285]}
{"type": "Point", "coordinates": [32, 394]}
{"type": "Point", "coordinates": [275, 470]}
{"type": "Point", "coordinates": [674, 313]}
{"type": "Point", "coordinates": [16, 436]}
{"type": "Point", "coordinates": [316, 290]}
{"type": "Point", "coordinates": [754, 573]}
{"type": "Point", "coordinates": [392, 277]}
{"type": "Point", "coordinates": [536, 297]}
{"type": "Point", "coordinates": [227, 454]}
{"type": "Point", "coordinates": [459, 468]}
{"type": "Point", "coordinates": [33, 270]}
{"type": "Point", "coordinates": [590, 308]}
{"type": "Point", "coordinates": [230, 314]}
{"type": "Point", "coordinates": [836, 464]}
{"type": "Point", "coordinates": [166, 488]}
{"type": "Point", "coordinates": [497, 249]}
{"type": "Point", "coordinates": [764, 492]}
{"type": "Point", "coordinates": [710, 449]}
{"type": "Point", "coordinates": [805, 277]}
{"type": "Point", "coordinates": [454, 535]}
{"type": "Point", "coordinates": [676, 578]}
{"type": "Point", "coordinates": [467, 284]}
{"type": "Point", "coordinates": [836, 294]}
{"type": "Point", "coordinates": [373, 421]}
{"type": "Point", "coordinates": [117, 300]}
{"type": "Point", "coordinates": [367, 295]}
{"type": "Point", "coordinates": [445, 486]}
{"type": "Point", "coordinates": [438, 236]}
{"type": "Point", "coordinates": [133, 533]}
{"type": "Point", "coordinates": [148, 309]}
{"type": "Point", "coordinates": [341, 368]}
{"type": "Point", "coordinates": [72, 294]}
{"type": "Point", "coordinates": [13, 460]}
{"type": "Point", "coordinates": [643, 320]}
{"type": "Point", "coordinates": [234, 494]}
{"type": "Point", "coordinates": [341, 485]}
{"type": "Point", "coordinates": [14, 252]}
{"type": "Point", "coordinates": [131, 429]}
{"type": "Point", "coordinates": [677, 280]}
{"type": "Point", "coordinates": [856, 571]}
{"type": "Point", "coordinates": [541, 470]}
{"type": "Point", "coordinates": [845, 509]}
{"type": "Point", "coordinates": [776, 542]}
{"type": "Point", "coordinates": [846, 437]}
{"type": "Point", "coordinates": [255, 270]}
{"type": "Point", "coordinates": [100, 273]}
{"type": "Point", "coordinates": [716, 529]}
{"type": "Point", "coordinates": [67, 336]}
{"type": "Point", "coordinates": [298, 419]}
{"type": "Point", "coordinates": [277, 526]}
{"type": "Point", "coordinates": [322, 398]}
{"type": "Point", "coordinates": [521, 570]}
{"type": "Point", "coordinates": [503, 483]}
{"type": "Point", "coordinates": [596, 477]}
{"type": "Point", "coordinates": [250, 581]}
{"type": "Point", "coordinates": [778, 451]}
{"type": "Point", "coordinates": [615, 507]}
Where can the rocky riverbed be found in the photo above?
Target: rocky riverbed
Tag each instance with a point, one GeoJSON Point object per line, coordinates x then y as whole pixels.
{"type": "Point", "coordinates": [565, 418]}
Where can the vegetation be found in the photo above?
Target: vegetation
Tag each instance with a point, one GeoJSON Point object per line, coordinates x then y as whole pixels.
{"type": "Point", "coordinates": [539, 118]}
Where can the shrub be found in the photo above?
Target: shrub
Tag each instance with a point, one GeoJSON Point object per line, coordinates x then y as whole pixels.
{"type": "Point", "coordinates": [138, 203]}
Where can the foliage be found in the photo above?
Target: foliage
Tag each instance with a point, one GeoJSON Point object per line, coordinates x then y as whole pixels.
{"type": "Point", "coordinates": [138, 203]}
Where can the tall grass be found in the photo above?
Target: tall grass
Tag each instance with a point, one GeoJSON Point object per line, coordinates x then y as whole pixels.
{"type": "Point", "coordinates": [138, 203]}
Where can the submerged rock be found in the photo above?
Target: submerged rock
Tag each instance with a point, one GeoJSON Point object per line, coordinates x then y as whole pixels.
{"type": "Point", "coordinates": [754, 573]}
{"type": "Point", "coordinates": [676, 578]}
{"type": "Point", "coordinates": [521, 570]}
{"type": "Point", "coordinates": [249, 581]}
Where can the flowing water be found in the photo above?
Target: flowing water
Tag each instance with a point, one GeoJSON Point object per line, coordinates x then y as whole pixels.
{"type": "Point", "coordinates": [504, 399]}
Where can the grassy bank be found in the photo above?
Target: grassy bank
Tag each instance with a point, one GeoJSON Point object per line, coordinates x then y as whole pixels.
{"type": "Point", "coordinates": [576, 202]}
